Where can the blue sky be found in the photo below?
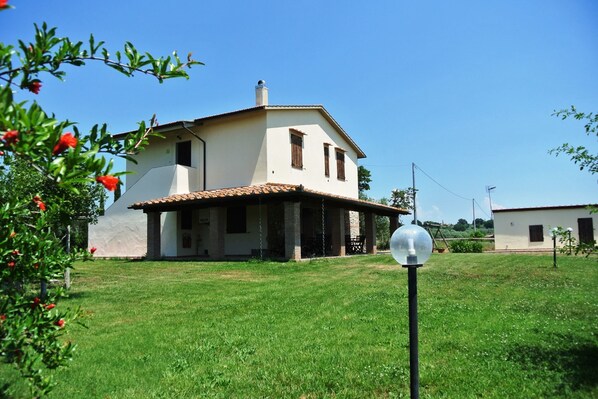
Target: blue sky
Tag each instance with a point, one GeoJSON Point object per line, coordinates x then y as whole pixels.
{"type": "Point", "coordinates": [465, 89]}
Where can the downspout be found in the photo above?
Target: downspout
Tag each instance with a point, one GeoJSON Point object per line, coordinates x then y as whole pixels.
{"type": "Point", "coordinates": [184, 126]}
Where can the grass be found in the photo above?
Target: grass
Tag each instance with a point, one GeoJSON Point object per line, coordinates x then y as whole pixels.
{"type": "Point", "coordinates": [491, 326]}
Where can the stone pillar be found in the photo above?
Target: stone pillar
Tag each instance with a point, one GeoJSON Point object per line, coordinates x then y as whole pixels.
{"type": "Point", "coordinates": [370, 233]}
{"type": "Point", "coordinates": [217, 229]}
{"type": "Point", "coordinates": [292, 230]}
{"type": "Point", "coordinates": [153, 236]}
{"type": "Point", "coordinates": [337, 219]}
{"type": "Point", "coordinates": [394, 224]}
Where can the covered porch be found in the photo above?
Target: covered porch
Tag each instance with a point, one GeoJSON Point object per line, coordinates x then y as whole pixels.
{"type": "Point", "coordinates": [275, 221]}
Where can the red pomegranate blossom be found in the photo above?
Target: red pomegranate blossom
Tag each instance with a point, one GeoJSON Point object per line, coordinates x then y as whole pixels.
{"type": "Point", "coordinates": [92, 250]}
{"type": "Point", "coordinates": [11, 137]}
{"type": "Point", "coordinates": [3, 3]}
{"type": "Point", "coordinates": [35, 86]}
{"type": "Point", "coordinates": [110, 182]}
{"type": "Point", "coordinates": [50, 306]}
{"type": "Point", "coordinates": [36, 301]}
{"type": "Point", "coordinates": [66, 141]}
{"type": "Point", "coordinates": [2, 317]}
{"type": "Point", "coordinates": [11, 264]}
{"type": "Point", "coordinates": [40, 204]}
{"type": "Point", "coordinates": [60, 323]}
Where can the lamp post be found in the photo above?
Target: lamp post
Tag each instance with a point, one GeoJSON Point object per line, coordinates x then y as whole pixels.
{"type": "Point", "coordinates": [569, 230]}
{"type": "Point", "coordinates": [553, 233]}
{"type": "Point", "coordinates": [411, 246]}
{"type": "Point", "coordinates": [489, 189]}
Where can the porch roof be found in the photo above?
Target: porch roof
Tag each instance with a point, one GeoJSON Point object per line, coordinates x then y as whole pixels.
{"type": "Point", "coordinates": [255, 193]}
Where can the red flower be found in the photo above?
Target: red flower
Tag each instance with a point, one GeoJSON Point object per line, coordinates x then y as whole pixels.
{"type": "Point", "coordinates": [50, 306]}
{"type": "Point", "coordinates": [92, 250]}
{"type": "Point", "coordinates": [40, 204]}
{"type": "Point", "coordinates": [67, 140]}
{"type": "Point", "coordinates": [13, 234]}
{"type": "Point", "coordinates": [60, 323]}
{"type": "Point", "coordinates": [15, 252]}
{"type": "Point", "coordinates": [3, 3]}
{"type": "Point", "coordinates": [11, 264]}
{"type": "Point", "coordinates": [36, 301]}
{"type": "Point", "coordinates": [2, 317]}
{"type": "Point", "coordinates": [110, 182]}
{"type": "Point", "coordinates": [11, 137]}
{"type": "Point", "coordinates": [1, 153]}
{"type": "Point", "coordinates": [35, 86]}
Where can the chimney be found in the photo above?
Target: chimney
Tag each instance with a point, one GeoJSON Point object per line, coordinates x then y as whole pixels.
{"type": "Point", "coordinates": [261, 93]}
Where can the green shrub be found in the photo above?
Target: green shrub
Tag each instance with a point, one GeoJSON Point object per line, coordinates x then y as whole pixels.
{"type": "Point", "coordinates": [463, 246]}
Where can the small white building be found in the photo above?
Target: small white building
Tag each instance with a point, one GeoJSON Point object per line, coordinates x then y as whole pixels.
{"type": "Point", "coordinates": [528, 228]}
{"type": "Point", "coordinates": [274, 179]}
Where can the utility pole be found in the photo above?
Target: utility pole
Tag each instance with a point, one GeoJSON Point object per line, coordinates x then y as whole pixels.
{"type": "Point", "coordinates": [413, 187]}
{"type": "Point", "coordinates": [473, 207]}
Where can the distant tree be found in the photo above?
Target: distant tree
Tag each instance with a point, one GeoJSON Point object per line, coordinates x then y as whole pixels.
{"type": "Point", "coordinates": [364, 178]}
{"type": "Point", "coordinates": [461, 225]}
{"type": "Point", "coordinates": [489, 224]}
{"type": "Point", "coordinates": [479, 222]}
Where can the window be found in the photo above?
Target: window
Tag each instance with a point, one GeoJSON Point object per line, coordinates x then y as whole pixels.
{"type": "Point", "coordinates": [186, 219]}
{"type": "Point", "coordinates": [327, 160]}
{"type": "Point", "coordinates": [183, 153]}
{"type": "Point", "coordinates": [586, 230]}
{"type": "Point", "coordinates": [536, 233]}
{"type": "Point", "coordinates": [296, 151]}
{"type": "Point", "coordinates": [340, 164]}
{"type": "Point", "coordinates": [236, 219]}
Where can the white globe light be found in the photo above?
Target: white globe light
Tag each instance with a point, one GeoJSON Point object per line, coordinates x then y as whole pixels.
{"type": "Point", "coordinates": [411, 245]}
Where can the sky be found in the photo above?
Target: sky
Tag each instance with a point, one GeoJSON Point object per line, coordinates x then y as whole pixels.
{"type": "Point", "coordinates": [464, 89]}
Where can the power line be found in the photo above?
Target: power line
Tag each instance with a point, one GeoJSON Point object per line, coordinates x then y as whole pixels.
{"type": "Point", "coordinates": [481, 209]}
{"type": "Point", "coordinates": [431, 178]}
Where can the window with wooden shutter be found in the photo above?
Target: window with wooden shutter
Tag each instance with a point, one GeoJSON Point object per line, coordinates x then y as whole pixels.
{"type": "Point", "coordinates": [586, 230]}
{"type": "Point", "coordinates": [340, 165]}
{"type": "Point", "coordinates": [536, 233]}
{"type": "Point", "coordinates": [296, 151]}
{"type": "Point", "coordinates": [327, 160]}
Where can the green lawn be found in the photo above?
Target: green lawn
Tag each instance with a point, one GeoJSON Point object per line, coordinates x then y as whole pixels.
{"type": "Point", "coordinates": [490, 325]}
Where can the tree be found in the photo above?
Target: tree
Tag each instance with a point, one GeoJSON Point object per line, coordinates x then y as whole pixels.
{"type": "Point", "coordinates": [64, 163]}
{"type": "Point", "coordinates": [580, 155]}
{"type": "Point", "coordinates": [403, 198]}
{"type": "Point", "coordinates": [364, 178]}
{"type": "Point", "coordinates": [461, 225]}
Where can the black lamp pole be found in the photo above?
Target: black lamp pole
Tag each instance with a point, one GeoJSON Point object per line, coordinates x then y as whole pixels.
{"type": "Point", "coordinates": [554, 250]}
{"type": "Point", "coordinates": [412, 266]}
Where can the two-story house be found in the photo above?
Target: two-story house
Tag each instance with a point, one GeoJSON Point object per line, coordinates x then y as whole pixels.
{"type": "Point", "coordinates": [267, 181]}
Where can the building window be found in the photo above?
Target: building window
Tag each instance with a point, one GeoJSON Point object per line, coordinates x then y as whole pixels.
{"type": "Point", "coordinates": [296, 151]}
{"type": "Point", "coordinates": [327, 160]}
{"type": "Point", "coordinates": [536, 233]}
{"type": "Point", "coordinates": [236, 219]}
{"type": "Point", "coordinates": [586, 230]}
{"type": "Point", "coordinates": [186, 219]}
{"type": "Point", "coordinates": [183, 153]}
{"type": "Point", "coordinates": [340, 164]}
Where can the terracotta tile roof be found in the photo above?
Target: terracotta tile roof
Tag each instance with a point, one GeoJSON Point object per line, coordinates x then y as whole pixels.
{"type": "Point", "coordinates": [264, 190]}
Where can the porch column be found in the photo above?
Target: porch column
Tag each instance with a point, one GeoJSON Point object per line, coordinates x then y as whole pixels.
{"type": "Point", "coordinates": [153, 236]}
{"type": "Point", "coordinates": [370, 233]}
{"type": "Point", "coordinates": [217, 229]}
{"type": "Point", "coordinates": [292, 230]}
{"type": "Point", "coordinates": [394, 223]}
{"type": "Point", "coordinates": [337, 219]}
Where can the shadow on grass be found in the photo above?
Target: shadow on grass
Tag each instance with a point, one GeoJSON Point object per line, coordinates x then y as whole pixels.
{"type": "Point", "coordinates": [575, 362]}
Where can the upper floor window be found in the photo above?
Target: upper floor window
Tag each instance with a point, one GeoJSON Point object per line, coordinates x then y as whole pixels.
{"type": "Point", "coordinates": [536, 233]}
{"type": "Point", "coordinates": [327, 160]}
{"type": "Point", "coordinates": [183, 153]}
{"type": "Point", "coordinates": [340, 164]}
{"type": "Point", "coordinates": [296, 150]}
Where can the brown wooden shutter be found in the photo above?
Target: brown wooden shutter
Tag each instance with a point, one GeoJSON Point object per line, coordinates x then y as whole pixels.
{"type": "Point", "coordinates": [536, 233]}
{"type": "Point", "coordinates": [586, 230]}
{"type": "Point", "coordinates": [326, 160]}
{"type": "Point", "coordinates": [340, 165]}
{"type": "Point", "coordinates": [296, 151]}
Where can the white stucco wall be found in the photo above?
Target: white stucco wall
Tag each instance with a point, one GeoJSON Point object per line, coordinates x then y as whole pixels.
{"type": "Point", "coordinates": [317, 131]}
{"type": "Point", "coordinates": [122, 232]}
{"type": "Point", "coordinates": [511, 227]}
